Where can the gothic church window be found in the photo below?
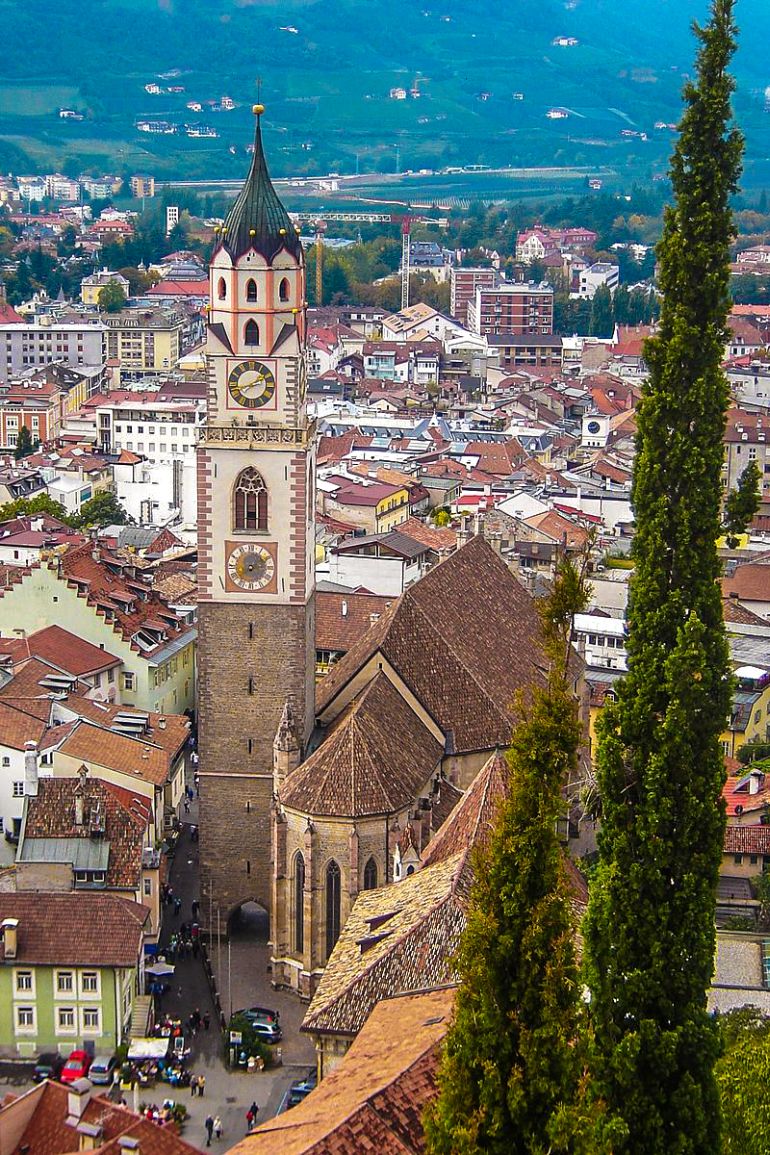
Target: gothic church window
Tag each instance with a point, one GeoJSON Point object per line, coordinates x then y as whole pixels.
{"type": "Point", "coordinates": [250, 501]}
{"type": "Point", "coordinates": [221, 289]}
{"type": "Point", "coordinates": [283, 289]}
{"type": "Point", "coordinates": [299, 903]}
{"type": "Point", "coordinates": [251, 333]}
{"type": "Point", "coordinates": [251, 291]}
{"type": "Point", "coordinates": [333, 882]}
{"type": "Point", "coordinates": [370, 875]}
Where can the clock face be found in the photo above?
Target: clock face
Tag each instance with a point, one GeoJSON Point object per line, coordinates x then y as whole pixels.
{"type": "Point", "coordinates": [593, 426]}
{"type": "Point", "coordinates": [251, 384]}
{"type": "Point", "coordinates": [250, 567]}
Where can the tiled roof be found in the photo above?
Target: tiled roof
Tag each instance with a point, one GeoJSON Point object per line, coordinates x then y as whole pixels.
{"type": "Point", "coordinates": [403, 936]}
{"type": "Point", "coordinates": [341, 619]}
{"type": "Point", "coordinates": [436, 538]}
{"type": "Point", "coordinates": [739, 615]}
{"type": "Point", "coordinates": [47, 1132]}
{"type": "Point", "coordinates": [750, 582]}
{"type": "Point", "coordinates": [18, 727]}
{"type": "Point", "coordinates": [75, 929]}
{"type": "Point", "coordinates": [69, 652]}
{"type": "Point", "coordinates": [465, 639]}
{"type": "Point", "coordinates": [747, 840]}
{"type": "Point", "coordinates": [52, 815]}
{"type": "Point", "coordinates": [375, 1098]}
{"type": "Point", "coordinates": [471, 820]}
{"type": "Point", "coordinates": [398, 938]}
{"type": "Point", "coordinates": [99, 747]}
{"type": "Point", "coordinates": [374, 761]}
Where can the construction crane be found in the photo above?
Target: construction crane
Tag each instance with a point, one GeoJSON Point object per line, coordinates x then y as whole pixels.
{"type": "Point", "coordinates": [320, 225]}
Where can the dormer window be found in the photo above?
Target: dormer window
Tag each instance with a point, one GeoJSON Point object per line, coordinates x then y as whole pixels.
{"type": "Point", "coordinates": [251, 292]}
{"type": "Point", "coordinates": [221, 289]}
{"type": "Point", "coordinates": [251, 333]}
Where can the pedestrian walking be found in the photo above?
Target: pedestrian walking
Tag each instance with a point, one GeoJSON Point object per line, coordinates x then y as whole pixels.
{"type": "Point", "coordinates": [190, 793]}
{"type": "Point", "coordinates": [193, 1086]}
{"type": "Point", "coordinates": [201, 1085]}
{"type": "Point", "coordinates": [177, 906]}
{"type": "Point", "coordinates": [218, 1127]}
{"type": "Point", "coordinates": [187, 805]}
{"type": "Point", "coordinates": [209, 1125]}
{"type": "Point", "coordinates": [206, 1021]}
{"type": "Point", "coordinates": [251, 1116]}
{"type": "Point", "coordinates": [169, 895]}
{"type": "Point", "coordinates": [195, 908]}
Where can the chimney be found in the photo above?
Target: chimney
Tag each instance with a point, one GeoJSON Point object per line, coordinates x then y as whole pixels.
{"type": "Point", "coordinates": [30, 770]}
{"type": "Point", "coordinates": [10, 929]}
{"type": "Point", "coordinates": [161, 723]}
{"type": "Point", "coordinates": [78, 1096]}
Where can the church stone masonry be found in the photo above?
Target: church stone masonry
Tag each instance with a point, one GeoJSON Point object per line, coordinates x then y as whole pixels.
{"type": "Point", "coordinates": [256, 538]}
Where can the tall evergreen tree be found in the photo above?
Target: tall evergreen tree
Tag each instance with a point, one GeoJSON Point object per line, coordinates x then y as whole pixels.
{"type": "Point", "coordinates": [650, 935]}
{"type": "Point", "coordinates": [511, 1067]}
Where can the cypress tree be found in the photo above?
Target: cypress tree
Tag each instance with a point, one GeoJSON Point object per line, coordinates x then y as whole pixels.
{"type": "Point", "coordinates": [650, 935]}
{"type": "Point", "coordinates": [511, 1067]}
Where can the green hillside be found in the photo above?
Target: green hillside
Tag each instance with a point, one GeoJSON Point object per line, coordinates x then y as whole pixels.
{"type": "Point", "coordinates": [327, 68]}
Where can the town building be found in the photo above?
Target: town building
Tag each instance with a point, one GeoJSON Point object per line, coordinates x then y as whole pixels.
{"type": "Point", "coordinates": [596, 276]}
{"type": "Point", "coordinates": [45, 339]}
{"type": "Point", "coordinates": [68, 970]}
{"type": "Point", "coordinates": [463, 284]}
{"type": "Point", "coordinates": [92, 285]}
{"type": "Point", "coordinates": [145, 341]}
{"type": "Point", "coordinates": [142, 185]}
{"type": "Point", "coordinates": [516, 309]}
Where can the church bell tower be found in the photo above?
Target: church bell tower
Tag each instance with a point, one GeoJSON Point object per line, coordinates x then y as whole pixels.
{"type": "Point", "coordinates": [256, 539]}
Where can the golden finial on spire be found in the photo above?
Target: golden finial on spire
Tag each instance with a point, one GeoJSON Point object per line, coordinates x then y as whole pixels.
{"type": "Point", "coordinates": [259, 107]}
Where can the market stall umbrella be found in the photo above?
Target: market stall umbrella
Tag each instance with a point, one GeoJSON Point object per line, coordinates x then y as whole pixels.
{"type": "Point", "coordinates": [159, 970]}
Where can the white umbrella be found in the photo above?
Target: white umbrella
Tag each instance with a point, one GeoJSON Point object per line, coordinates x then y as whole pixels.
{"type": "Point", "coordinates": [159, 970]}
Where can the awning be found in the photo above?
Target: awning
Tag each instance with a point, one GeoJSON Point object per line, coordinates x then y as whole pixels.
{"type": "Point", "coordinates": [148, 1048]}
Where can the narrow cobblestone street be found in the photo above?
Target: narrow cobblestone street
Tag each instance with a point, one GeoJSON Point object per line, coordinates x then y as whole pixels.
{"type": "Point", "coordinates": [245, 960]}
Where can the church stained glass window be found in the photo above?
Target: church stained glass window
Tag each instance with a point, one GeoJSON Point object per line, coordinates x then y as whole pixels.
{"type": "Point", "coordinates": [250, 501]}
{"type": "Point", "coordinates": [370, 875]}
{"type": "Point", "coordinates": [251, 290]}
{"type": "Point", "coordinates": [333, 889]}
{"type": "Point", "coordinates": [251, 333]}
{"type": "Point", "coordinates": [299, 904]}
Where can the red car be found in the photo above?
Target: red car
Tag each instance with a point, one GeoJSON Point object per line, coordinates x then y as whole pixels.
{"type": "Point", "coordinates": [76, 1067]}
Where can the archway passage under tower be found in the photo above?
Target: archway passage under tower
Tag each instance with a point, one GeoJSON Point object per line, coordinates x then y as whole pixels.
{"type": "Point", "coordinates": [249, 923]}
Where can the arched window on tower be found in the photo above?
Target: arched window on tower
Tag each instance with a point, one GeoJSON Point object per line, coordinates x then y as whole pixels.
{"type": "Point", "coordinates": [370, 875]}
{"type": "Point", "coordinates": [299, 903]}
{"type": "Point", "coordinates": [221, 288]}
{"type": "Point", "coordinates": [249, 501]}
{"type": "Point", "coordinates": [333, 887]}
{"type": "Point", "coordinates": [283, 289]}
{"type": "Point", "coordinates": [251, 333]}
{"type": "Point", "coordinates": [251, 290]}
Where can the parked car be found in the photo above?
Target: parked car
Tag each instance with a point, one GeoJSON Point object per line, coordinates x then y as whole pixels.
{"type": "Point", "coordinates": [76, 1067]}
{"type": "Point", "coordinates": [302, 1088]}
{"type": "Point", "coordinates": [102, 1070]}
{"type": "Point", "coordinates": [48, 1066]}
{"type": "Point", "coordinates": [270, 1032]}
{"type": "Point", "coordinates": [265, 1014]}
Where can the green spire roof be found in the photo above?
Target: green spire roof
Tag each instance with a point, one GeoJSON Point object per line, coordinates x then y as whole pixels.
{"type": "Point", "coordinates": [258, 220]}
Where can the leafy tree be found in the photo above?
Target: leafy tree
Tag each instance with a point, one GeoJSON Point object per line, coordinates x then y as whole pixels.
{"type": "Point", "coordinates": [752, 751]}
{"type": "Point", "coordinates": [102, 509]}
{"type": "Point", "coordinates": [25, 444]}
{"type": "Point", "coordinates": [40, 504]}
{"type": "Point", "coordinates": [742, 1075]}
{"type": "Point", "coordinates": [650, 936]}
{"type": "Point", "coordinates": [602, 313]}
{"type": "Point", "coordinates": [510, 1073]}
{"type": "Point", "coordinates": [742, 503]}
{"type": "Point", "coordinates": [111, 297]}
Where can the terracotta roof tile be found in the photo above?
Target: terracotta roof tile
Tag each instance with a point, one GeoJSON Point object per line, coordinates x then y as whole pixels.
{"type": "Point", "coordinates": [48, 1133]}
{"type": "Point", "coordinates": [750, 582]}
{"type": "Point", "coordinates": [52, 815]}
{"type": "Point", "coordinates": [375, 760]}
{"type": "Point", "coordinates": [465, 639]}
{"type": "Point", "coordinates": [747, 840]}
{"type": "Point", "coordinates": [69, 652]}
{"type": "Point", "coordinates": [100, 747]}
{"type": "Point", "coordinates": [341, 619]}
{"type": "Point", "coordinates": [374, 1099]}
{"type": "Point", "coordinates": [75, 929]}
{"type": "Point", "coordinates": [439, 539]}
